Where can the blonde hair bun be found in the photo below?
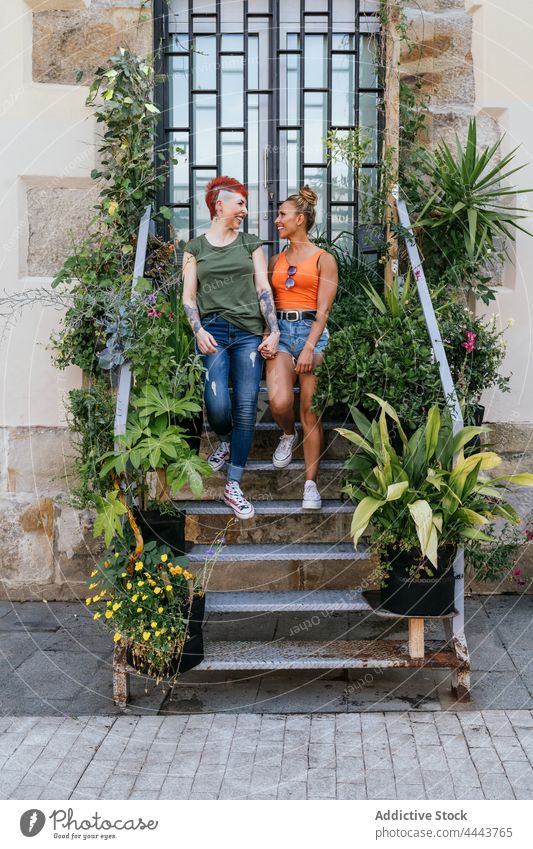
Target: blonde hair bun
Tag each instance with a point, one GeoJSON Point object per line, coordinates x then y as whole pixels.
{"type": "Point", "coordinates": [308, 195]}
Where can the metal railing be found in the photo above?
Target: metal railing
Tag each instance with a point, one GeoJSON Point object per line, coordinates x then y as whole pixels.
{"type": "Point", "coordinates": [124, 380]}
{"type": "Point", "coordinates": [448, 386]}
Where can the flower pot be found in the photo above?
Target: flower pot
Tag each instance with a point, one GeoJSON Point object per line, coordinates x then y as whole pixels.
{"type": "Point", "coordinates": [194, 429]}
{"type": "Point", "coordinates": [164, 529]}
{"type": "Point", "coordinates": [420, 596]}
{"type": "Point", "coordinates": [193, 648]}
{"type": "Point", "coordinates": [474, 444]}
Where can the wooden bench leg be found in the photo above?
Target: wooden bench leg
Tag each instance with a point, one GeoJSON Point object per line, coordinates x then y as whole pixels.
{"type": "Point", "coordinates": [461, 676]}
{"type": "Point", "coordinates": [121, 678]}
{"type": "Point", "coordinates": [416, 637]}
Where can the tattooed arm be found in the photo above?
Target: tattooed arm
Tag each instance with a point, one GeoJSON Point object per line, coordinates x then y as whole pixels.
{"type": "Point", "coordinates": [269, 346]}
{"type": "Point", "coordinates": [206, 343]}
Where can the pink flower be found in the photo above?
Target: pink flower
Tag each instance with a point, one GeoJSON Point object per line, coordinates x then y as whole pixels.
{"type": "Point", "coordinates": [517, 573]}
{"type": "Point", "coordinates": [470, 343]}
{"type": "Point", "coordinates": [154, 314]}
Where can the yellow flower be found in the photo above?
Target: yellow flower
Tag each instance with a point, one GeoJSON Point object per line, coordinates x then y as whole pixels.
{"type": "Point", "coordinates": [117, 605]}
{"type": "Point", "coordinates": [187, 575]}
{"type": "Point", "coordinates": [140, 583]}
{"type": "Point", "coordinates": [164, 558]}
{"type": "Point", "coordinates": [151, 582]}
{"type": "Point", "coordinates": [92, 586]}
{"type": "Point", "coordinates": [106, 563]}
{"type": "Point", "coordinates": [139, 610]}
{"type": "Point", "coordinates": [96, 598]}
{"type": "Point", "coordinates": [158, 633]}
{"type": "Point", "coordinates": [178, 570]}
{"type": "Point", "coordinates": [168, 588]}
{"type": "Point", "coordinates": [129, 585]}
{"type": "Point", "coordinates": [94, 572]}
{"type": "Point", "coordinates": [117, 637]}
{"type": "Point", "coordinates": [160, 610]}
{"type": "Point", "coordinates": [88, 600]}
{"type": "Point", "coordinates": [124, 575]}
{"type": "Point", "coordinates": [102, 594]}
{"type": "Point", "coordinates": [146, 635]}
{"type": "Point", "coordinates": [157, 590]}
{"type": "Point", "coordinates": [144, 597]}
{"type": "Point", "coordinates": [108, 603]}
{"type": "Point", "coordinates": [135, 597]}
{"type": "Point", "coordinates": [108, 614]}
{"type": "Point", "coordinates": [153, 624]}
{"type": "Point", "coordinates": [139, 565]}
{"type": "Point", "coordinates": [116, 554]}
{"type": "Point", "coordinates": [97, 615]}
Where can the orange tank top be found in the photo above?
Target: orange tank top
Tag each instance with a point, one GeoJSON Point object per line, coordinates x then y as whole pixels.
{"type": "Point", "coordinates": [304, 294]}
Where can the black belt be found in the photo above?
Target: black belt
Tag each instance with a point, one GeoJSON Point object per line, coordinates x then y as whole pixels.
{"type": "Point", "coordinates": [296, 315]}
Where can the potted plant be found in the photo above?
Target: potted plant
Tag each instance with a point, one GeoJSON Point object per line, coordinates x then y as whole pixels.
{"type": "Point", "coordinates": [151, 443]}
{"type": "Point", "coordinates": [154, 605]}
{"type": "Point", "coordinates": [422, 504]}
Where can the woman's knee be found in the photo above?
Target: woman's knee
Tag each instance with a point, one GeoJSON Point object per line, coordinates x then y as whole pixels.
{"type": "Point", "coordinates": [281, 402]}
{"type": "Point", "coordinates": [308, 418]}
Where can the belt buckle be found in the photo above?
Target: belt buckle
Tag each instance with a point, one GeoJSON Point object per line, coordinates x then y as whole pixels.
{"type": "Point", "coordinates": [295, 313]}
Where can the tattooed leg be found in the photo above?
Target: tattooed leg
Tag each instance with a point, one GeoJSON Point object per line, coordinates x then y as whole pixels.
{"type": "Point", "coordinates": [266, 305]}
{"type": "Point", "coordinates": [193, 317]}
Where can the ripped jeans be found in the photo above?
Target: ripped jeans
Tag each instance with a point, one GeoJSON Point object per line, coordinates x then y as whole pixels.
{"type": "Point", "coordinates": [237, 357]}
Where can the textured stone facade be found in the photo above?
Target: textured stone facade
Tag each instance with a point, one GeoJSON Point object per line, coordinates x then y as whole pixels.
{"type": "Point", "coordinates": [65, 42]}
{"type": "Point", "coordinates": [57, 220]}
{"type": "Point", "coordinates": [47, 546]}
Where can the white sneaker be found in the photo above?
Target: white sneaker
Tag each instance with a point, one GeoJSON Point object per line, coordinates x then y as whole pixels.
{"type": "Point", "coordinates": [311, 499]}
{"type": "Point", "coordinates": [234, 498]}
{"type": "Point", "coordinates": [219, 456]}
{"type": "Point", "coordinates": [282, 456]}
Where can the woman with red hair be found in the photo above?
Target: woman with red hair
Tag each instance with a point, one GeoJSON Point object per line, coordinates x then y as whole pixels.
{"type": "Point", "coordinates": [228, 301]}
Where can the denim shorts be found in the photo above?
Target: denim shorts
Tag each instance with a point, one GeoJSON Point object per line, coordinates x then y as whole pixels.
{"type": "Point", "coordinates": [293, 336]}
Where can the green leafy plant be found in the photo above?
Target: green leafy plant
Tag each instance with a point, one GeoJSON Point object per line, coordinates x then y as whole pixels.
{"type": "Point", "coordinates": [418, 497]}
{"type": "Point", "coordinates": [465, 221]}
{"type": "Point", "coordinates": [386, 345]}
{"type": "Point", "coordinates": [146, 603]}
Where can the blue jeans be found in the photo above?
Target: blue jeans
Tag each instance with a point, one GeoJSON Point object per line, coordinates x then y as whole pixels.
{"type": "Point", "coordinates": [236, 357]}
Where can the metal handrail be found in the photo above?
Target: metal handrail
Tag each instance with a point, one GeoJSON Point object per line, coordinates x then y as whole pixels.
{"type": "Point", "coordinates": [446, 379]}
{"type": "Point", "coordinates": [124, 380]}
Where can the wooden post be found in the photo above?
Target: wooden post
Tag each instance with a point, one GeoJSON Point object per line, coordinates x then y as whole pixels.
{"type": "Point", "coordinates": [121, 679]}
{"type": "Point", "coordinates": [391, 137]}
{"type": "Point", "coordinates": [416, 637]}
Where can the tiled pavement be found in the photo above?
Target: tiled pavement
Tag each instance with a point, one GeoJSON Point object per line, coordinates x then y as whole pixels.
{"type": "Point", "coordinates": [414, 755]}
{"type": "Point", "coordinates": [55, 661]}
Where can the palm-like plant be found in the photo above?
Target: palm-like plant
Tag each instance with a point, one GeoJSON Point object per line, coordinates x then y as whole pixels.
{"type": "Point", "coordinates": [466, 220]}
{"type": "Point", "coordinates": [421, 493]}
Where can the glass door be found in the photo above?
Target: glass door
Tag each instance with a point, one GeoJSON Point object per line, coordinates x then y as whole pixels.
{"type": "Point", "coordinates": [253, 88]}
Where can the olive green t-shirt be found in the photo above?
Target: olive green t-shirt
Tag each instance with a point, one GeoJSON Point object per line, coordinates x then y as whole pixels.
{"type": "Point", "coordinates": [225, 278]}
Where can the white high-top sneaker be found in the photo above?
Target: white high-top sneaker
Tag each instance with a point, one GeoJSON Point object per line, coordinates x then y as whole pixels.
{"type": "Point", "coordinates": [219, 456]}
{"type": "Point", "coordinates": [234, 498]}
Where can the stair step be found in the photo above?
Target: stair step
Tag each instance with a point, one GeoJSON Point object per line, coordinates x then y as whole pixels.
{"type": "Point", "coordinates": [317, 654]}
{"type": "Point", "coordinates": [273, 520]}
{"type": "Point", "coordinates": [267, 435]}
{"type": "Point", "coordinates": [285, 602]}
{"type": "Point", "coordinates": [261, 480]}
{"type": "Point", "coordinates": [280, 551]}
{"type": "Point", "coordinates": [292, 566]}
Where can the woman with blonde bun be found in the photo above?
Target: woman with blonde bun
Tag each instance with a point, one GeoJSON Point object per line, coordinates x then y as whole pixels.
{"type": "Point", "coordinates": [304, 281]}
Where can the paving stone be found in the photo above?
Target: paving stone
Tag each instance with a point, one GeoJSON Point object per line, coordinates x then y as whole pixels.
{"type": "Point", "coordinates": [496, 786]}
{"type": "Point", "coordinates": [321, 783]}
{"type": "Point", "coordinates": [293, 790]}
{"type": "Point", "coordinates": [351, 790]}
{"type": "Point", "coordinates": [509, 749]}
{"type": "Point", "coordinates": [486, 760]}
{"type": "Point", "coordinates": [520, 774]}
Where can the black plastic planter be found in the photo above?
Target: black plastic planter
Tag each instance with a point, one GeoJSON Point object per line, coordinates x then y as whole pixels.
{"type": "Point", "coordinates": [474, 444]}
{"type": "Point", "coordinates": [164, 529]}
{"type": "Point", "coordinates": [424, 596]}
{"type": "Point", "coordinates": [193, 649]}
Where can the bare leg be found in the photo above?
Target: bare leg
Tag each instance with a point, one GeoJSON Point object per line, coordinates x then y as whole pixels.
{"type": "Point", "coordinates": [311, 423]}
{"type": "Point", "coordinates": [281, 378]}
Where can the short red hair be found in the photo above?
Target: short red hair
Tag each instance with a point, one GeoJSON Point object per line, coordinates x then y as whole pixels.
{"type": "Point", "coordinates": [228, 184]}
